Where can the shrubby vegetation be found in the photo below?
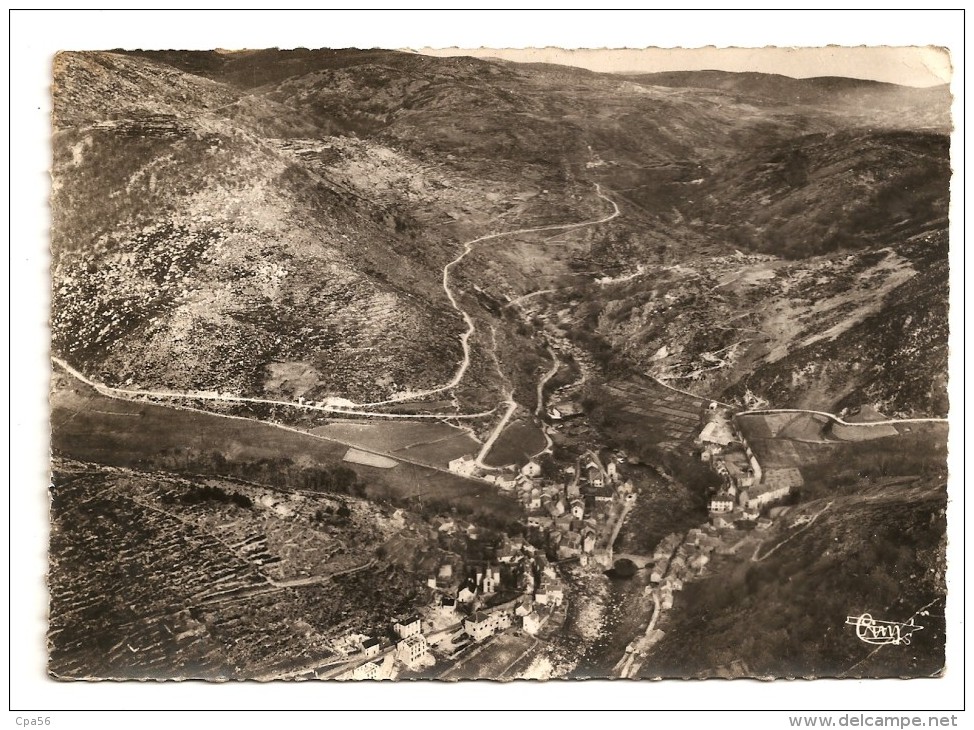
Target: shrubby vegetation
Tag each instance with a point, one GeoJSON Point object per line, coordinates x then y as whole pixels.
{"type": "Point", "coordinates": [785, 615]}
{"type": "Point", "coordinates": [208, 493]}
{"type": "Point", "coordinates": [849, 464]}
{"type": "Point", "coordinates": [792, 200]}
{"type": "Point", "coordinates": [278, 472]}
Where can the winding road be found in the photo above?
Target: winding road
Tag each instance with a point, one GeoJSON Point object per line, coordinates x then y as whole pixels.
{"type": "Point", "coordinates": [552, 372]}
{"type": "Point", "coordinates": [130, 393]}
{"type": "Point", "coordinates": [453, 295]}
{"type": "Point", "coordinates": [362, 409]}
{"type": "Point", "coordinates": [836, 419]}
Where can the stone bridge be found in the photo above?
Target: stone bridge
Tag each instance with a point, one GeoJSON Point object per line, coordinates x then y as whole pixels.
{"type": "Point", "coordinates": [640, 561]}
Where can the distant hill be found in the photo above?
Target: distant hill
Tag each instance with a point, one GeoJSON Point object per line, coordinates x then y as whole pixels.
{"type": "Point", "coordinates": [875, 100]}
{"type": "Point", "coordinates": [763, 84]}
{"type": "Point", "coordinates": [249, 69]}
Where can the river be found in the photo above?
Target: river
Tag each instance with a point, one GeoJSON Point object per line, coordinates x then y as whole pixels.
{"type": "Point", "coordinates": [604, 615]}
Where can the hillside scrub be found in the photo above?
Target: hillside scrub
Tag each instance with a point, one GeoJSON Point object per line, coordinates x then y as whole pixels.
{"type": "Point", "coordinates": [785, 615]}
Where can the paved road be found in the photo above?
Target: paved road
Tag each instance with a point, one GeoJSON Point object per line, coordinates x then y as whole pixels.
{"type": "Point", "coordinates": [498, 429]}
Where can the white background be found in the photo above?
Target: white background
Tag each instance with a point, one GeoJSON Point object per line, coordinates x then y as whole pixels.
{"type": "Point", "coordinates": [37, 35]}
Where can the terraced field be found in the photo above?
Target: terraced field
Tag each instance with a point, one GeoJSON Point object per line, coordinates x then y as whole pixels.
{"type": "Point", "coordinates": [160, 576]}
{"type": "Point", "coordinates": [122, 577]}
{"type": "Point", "coordinates": [666, 417]}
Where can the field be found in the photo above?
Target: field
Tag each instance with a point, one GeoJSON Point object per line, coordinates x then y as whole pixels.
{"type": "Point", "coordinates": [366, 458]}
{"type": "Point", "coordinates": [430, 406]}
{"type": "Point", "coordinates": [493, 659]}
{"type": "Point", "coordinates": [801, 426]}
{"type": "Point", "coordinates": [815, 427]}
{"type": "Point", "coordinates": [864, 433]}
{"type": "Point", "coordinates": [643, 409]}
{"type": "Point", "coordinates": [89, 426]}
{"type": "Point", "coordinates": [829, 452]}
{"type": "Point", "coordinates": [105, 625]}
{"type": "Point", "coordinates": [436, 444]}
{"type": "Point", "coordinates": [519, 442]}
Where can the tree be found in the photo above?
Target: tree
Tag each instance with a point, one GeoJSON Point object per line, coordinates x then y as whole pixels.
{"type": "Point", "coordinates": [549, 469]}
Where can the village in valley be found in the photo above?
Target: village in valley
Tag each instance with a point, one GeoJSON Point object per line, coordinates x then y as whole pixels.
{"type": "Point", "coordinates": [574, 515]}
{"type": "Point", "coordinates": [499, 611]}
{"type": "Point", "coordinates": [372, 365]}
{"type": "Point", "coordinates": [573, 518]}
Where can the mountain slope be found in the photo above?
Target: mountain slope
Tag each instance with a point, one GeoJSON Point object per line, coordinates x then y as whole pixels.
{"type": "Point", "coordinates": [818, 193]}
{"type": "Point", "coordinates": [879, 551]}
{"type": "Point", "coordinates": [219, 213]}
{"type": "Point", "coordinates": [873, 103]}
{"type": "Point", "coordinates": [191, 253]}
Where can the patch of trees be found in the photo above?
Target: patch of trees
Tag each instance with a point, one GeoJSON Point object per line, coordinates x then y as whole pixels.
{"type": "Point", "coordinates": [597, 345]}
{"type": "Point", "coordinates": [482, 516]}
{"type": "Point", "coordinates": [695, 476]}
{"type": "Point", "coordinates": [483, 507]}
{"type": "Point", "coordinates": [549, 469]}
{"type": "Point", "coordinates": [330, 514]}
{"type": "Point", "coordinates": [277, 471]}
{"type": "Point", "coordinates": [623, 568]}
{"type": "Point", "coordinates": [208, 493]}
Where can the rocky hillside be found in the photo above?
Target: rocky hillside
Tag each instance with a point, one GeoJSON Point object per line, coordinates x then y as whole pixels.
{"type": "Point", "coordinates": [154, 575]}
{"type": "Point", "coordinates": [222, 218]}
{"type": "Point", "coordinates": [782, 610]}
{"type": "Point", "coordinates": [191, 252]}
{"type": "Point", "coordinates": [825, 332]}
{"type": "Point", "coordinates": [820, 193]}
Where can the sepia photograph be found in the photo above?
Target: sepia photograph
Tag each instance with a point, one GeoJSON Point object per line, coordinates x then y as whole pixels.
{"type": "Point", "coordinates": [500, 365]}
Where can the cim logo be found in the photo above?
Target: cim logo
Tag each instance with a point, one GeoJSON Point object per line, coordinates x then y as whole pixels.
{"type": "Point", "coordinates": [880, 633]}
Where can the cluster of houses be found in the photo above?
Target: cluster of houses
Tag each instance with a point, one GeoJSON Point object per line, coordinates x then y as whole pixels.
{"type": "Point", "coordinates": [465, 615]}
{"type": "Point", "coordinates": [576, 515]}
{"type": "Point", "coordinates": [676, 560]}
{"type": "Point", "coordinates": [574, 511]}
{"type": "Point", "coordinates": [410, 648]}
{"type": "Point", "coordinates": [747, 489]}
{"type": "Point", "coordinates": [537, 585]}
